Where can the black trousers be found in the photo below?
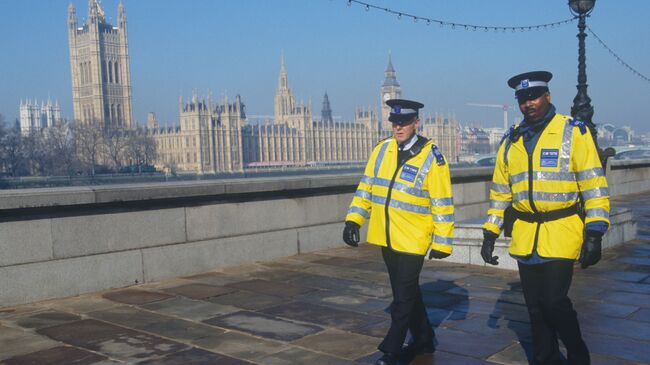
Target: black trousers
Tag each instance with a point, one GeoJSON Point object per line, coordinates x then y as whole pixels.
{"type": "Point", "coordinates": [546, 288]}
{"type": "Point", "coordinates": [407, 310]}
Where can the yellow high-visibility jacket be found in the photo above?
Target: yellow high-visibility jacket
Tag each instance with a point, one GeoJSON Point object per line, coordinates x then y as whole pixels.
{"type": "Point", "coordinates": [565, 166]}
{"type": "Point", "coordinates": [410, 207]}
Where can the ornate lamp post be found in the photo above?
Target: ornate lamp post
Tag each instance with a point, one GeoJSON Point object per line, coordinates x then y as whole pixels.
{"type": "Point", "coordinates": [582, 109]}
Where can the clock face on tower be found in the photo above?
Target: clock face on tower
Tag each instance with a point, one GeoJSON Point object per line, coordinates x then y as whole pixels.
{"type": "Point", "coordinates": [386, 96]}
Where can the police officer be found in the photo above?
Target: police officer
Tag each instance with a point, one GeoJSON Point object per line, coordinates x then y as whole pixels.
{"type": "Point", "coordinates": [549, 179]}
{"type": "Point", "coordinates": [405, 192]}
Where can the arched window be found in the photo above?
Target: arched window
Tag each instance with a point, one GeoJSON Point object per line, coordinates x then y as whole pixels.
{"type": "Point", "coordinates": [117, 80]}
{"type": "Point", "coordinates": [110, 71]}
{"type": "Point", "coordinates": [119, 115]}
{"type": "Point", "coordinates": [112, 120]}
{"type": "Point", "coordinates": [105, 66]}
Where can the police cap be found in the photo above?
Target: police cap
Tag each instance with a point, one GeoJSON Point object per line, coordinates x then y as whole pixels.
{"type": "Point", "coordinates": [530, 85]}
{"type": "Point", "coordinates": [402, 111]}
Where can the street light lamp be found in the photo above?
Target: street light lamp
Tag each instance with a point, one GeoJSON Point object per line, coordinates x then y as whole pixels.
{"type": "Point", "coordinates": [582, 109]}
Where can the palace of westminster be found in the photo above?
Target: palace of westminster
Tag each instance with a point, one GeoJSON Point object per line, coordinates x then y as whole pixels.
{"type": "Point", "coordinates": [214, 135]}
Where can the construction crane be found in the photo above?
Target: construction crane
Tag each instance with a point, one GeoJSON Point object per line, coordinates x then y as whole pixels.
{"type": "Point", "coordinates": [504, 107]}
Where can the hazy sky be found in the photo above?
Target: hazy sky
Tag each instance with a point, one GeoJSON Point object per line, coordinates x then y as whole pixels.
{"type": "Point", "coordinates": [230, 47]}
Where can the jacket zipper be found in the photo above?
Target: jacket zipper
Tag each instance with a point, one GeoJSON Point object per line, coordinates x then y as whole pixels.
{"type": "Point", "coordinates": [387, 204]}
{"type": "Point", "coordinates": [530, 197]}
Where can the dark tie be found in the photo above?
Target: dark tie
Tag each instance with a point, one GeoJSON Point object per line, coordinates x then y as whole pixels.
{"type": "Point", "coordinates": [401, 146]}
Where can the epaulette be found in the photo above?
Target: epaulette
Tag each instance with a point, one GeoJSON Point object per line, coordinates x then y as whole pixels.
{"type": "Point", "coordinates": [512, 134]}
{"type": "Point", "coordinates": [436, 152]}
{"type": "Point", "coordinates": [580, 124]}
{"type": "Point", "coordinates": [382, 141]}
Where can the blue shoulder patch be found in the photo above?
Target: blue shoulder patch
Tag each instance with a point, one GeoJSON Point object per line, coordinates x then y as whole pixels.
{"type": "Point", "coordinates": [436, 152]}
{"type": "Point", "coordinates": [580, 124]}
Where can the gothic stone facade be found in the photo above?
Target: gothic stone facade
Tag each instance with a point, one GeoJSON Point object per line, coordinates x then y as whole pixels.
{"type": "Point", "coordinates": [99, 62]}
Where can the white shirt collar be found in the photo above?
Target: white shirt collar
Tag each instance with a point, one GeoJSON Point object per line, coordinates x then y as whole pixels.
{"type": "Point", "coordinates": [408, 144]}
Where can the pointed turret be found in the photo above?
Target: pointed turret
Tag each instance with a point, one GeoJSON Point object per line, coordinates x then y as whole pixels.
{"type": "Point", "coordinates": [326, 112]}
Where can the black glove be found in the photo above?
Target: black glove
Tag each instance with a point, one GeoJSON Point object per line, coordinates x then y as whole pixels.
{"type": "Point", "coordinates": [590, 253]}
{"type": "Point", "coordinates": [433, 254]}
{"type": "Point", "coordinates": [351, 233]}
{"type": "Point", "coordinates": [489, 238]}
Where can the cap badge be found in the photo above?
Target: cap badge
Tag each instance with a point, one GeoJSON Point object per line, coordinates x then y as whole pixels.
{"type": "Point", "coordinates": [524, 83]}
{"type": "Point", "coordinates": [397, 109]}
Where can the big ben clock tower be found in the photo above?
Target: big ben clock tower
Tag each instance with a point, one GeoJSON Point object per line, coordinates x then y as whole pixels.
{"type": "Point", "coordinates": [390, 89]}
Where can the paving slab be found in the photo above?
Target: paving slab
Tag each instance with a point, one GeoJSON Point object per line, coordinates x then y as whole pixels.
{"type": "Point", "coordinates": [195, 357]}
{"type": "Point", "coordinates": [14, 342]}
{"type": "Point", "coordinates": [475, 345]}
{"type": "Point", "coordinates": [44, 319]}
{"type": "Point", "coordinates": [113, 341]}
{"type": "Point", "coordinates": [61, 355]}
{"type": "Point", "coordinates": [81, 304]}
{"type": "Point", "coordinates": [135, 296]}
{"type": "Point", "coordinates": [213, 278]}
{"type": "Point", "coordinates": [344, 300]}
{"type": "Point", "coordinates": [641, 315]}
{"type": "Point", "coordinates": [241, 346]}
{"type": "Point", "coordinates": [337, 318]}
{"type": "Point", "coordinates": [196, 310]}
{"type": "Point", "coordinates": [199, 291]}
{"type": "Point", "coordinates": [249, 300]}
{"type": "Point", "coordinates": [294, 355]}
{"type": "Point", "coordinates": [271, 288]}
{"type": "Point", "coordinates": [263, 325]}
{"type": "Point", "coordinates": [497, 327]}
{"type": "Point", "coordinates": [340, 344]}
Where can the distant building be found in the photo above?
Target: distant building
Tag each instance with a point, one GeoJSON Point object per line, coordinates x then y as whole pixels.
{"type": "Point", "coordinates": [390, 89]}
{"type": "Point", "coordinates": [215, 138]}
{"type": "Point", "coordinates": [35, 117]}
{"type": "Point", "coordinates": [99, 63]}
{"type": "Point", "coordinates": [326, 112]}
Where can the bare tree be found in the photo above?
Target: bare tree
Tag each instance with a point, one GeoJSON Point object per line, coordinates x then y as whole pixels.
{"type": "Point", "coordinates": [142, 149]}
{"type": "Point", "coordinates": [90, 139]}
{"type": "Point", "coordinates": [63, 149]}
{"type": "Point", "coordinates": [117, 143]}
{"type": "Point", "coordinates": [12, 152]}
{"type": "Point", "coordinates": [35, 153]}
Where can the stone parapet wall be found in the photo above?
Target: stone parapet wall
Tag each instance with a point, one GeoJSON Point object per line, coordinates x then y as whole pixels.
{"type": "Point", "coordinates": [66, 241]}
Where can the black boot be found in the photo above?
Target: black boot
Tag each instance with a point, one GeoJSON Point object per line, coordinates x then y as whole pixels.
{"type": "Point", "coordinates": [388, 359]}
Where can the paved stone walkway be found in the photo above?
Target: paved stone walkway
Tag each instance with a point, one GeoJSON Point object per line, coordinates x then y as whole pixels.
{"type": "Point", "coordinates": [329, 308]}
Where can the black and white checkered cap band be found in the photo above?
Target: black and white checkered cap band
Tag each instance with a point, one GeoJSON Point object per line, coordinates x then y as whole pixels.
{"type": "Point", "coordinates": [525, 84]}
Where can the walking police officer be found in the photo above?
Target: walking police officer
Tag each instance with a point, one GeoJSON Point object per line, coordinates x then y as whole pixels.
{"type": "Point", "coordinates": [547, 170]}
{"type": "Point", "coordinates": [405, 192]}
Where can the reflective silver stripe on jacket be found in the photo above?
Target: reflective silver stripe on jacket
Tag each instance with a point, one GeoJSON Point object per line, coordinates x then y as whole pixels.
{"type": "Point", "coordinates": [545, 196]}
{"type": "Point", "coordinates": [401, 187]}
{"type": "Point", "coordinates": [363, 194]}
{"type": "Point", "coordinates": [597, 212]}
{"type": "Point", "coordinates": [360, 211]}
{"type": "Point", "coordinates": [367, 180]}
{"type": "Point", "coordinates": [495, 220]}
{"type": "Point", "coordinates": [590, 173]}
{"type": "Point", "coordinates": [380, 156]}
{"type": "Point", "coordinates": [496, 204]}
{"type": "Point", "coordinates": [595, 193]}
{"type": "Point", "coordinates": [501, 188]}
{"type": "Point", "coordinates": [424, 170]}
{"type": "Point", "coordinates": [544, 176]}
{"type": "Point", "coordinates": [442, 240]}
{"type": "Point", "coordinates": [442, 218]}
{"type": "Point", "coordinates": [565, 154]}
{"type": "Point", "coordinates": [401, 205]}
{"type": "Point", "coordinates": [441, 202]}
